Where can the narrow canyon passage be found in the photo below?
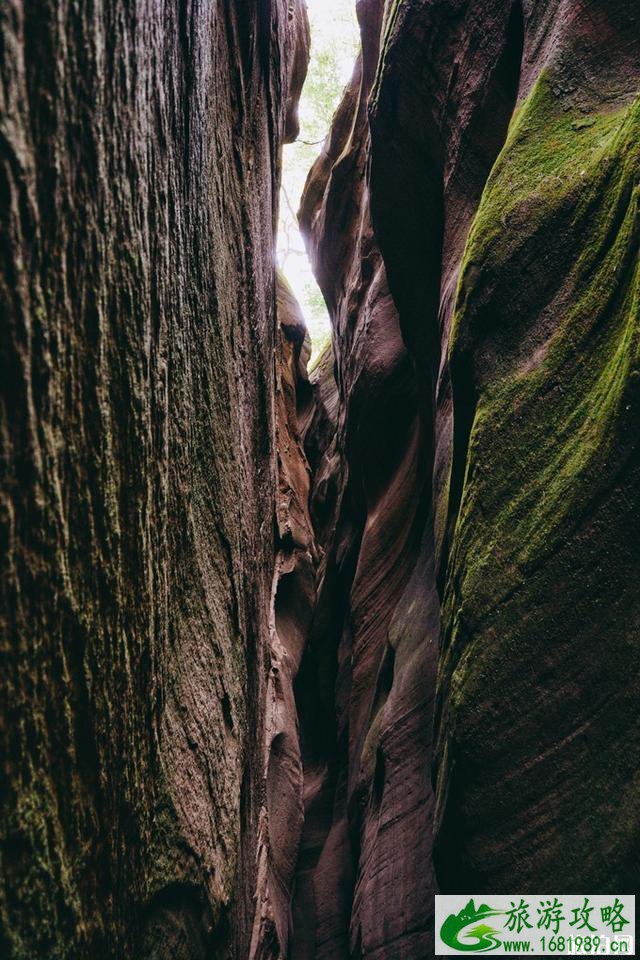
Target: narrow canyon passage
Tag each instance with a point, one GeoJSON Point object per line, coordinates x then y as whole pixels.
{"type": "Point", "coordinates": [288, 648]}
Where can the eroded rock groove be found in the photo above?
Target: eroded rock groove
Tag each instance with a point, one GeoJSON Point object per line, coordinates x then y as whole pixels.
{"type": "Point", "coordinates": [284, 654]}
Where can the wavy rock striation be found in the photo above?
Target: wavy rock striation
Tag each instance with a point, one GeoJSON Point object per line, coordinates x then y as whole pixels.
{"type": "Point", "coordinates": [283, 655]}
{"type": "Point", "coordinates": [373, 641]}
{"type": "Point", "coordinates": [473, 224]}
{"type": "Point", "coordinates": [538, 733]}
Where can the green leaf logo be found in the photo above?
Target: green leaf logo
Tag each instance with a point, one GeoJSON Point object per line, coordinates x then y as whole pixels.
{"type": "Point", "coordinates": [466, 931]}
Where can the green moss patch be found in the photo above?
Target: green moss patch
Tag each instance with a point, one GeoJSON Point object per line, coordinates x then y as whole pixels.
{"type": "Point", "coordinates": [540, 645]}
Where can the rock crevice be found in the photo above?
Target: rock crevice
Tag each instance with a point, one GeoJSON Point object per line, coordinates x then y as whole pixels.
{"type": "Point", "coordinates": [285, 654]}
{"type": "Point", "coordinates": [472, 222]}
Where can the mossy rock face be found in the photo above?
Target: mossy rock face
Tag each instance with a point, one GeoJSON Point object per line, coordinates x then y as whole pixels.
{"type": "Point", "coordinates": [538, 726]}
{"type": "Point", "coordinates": [139, 154]}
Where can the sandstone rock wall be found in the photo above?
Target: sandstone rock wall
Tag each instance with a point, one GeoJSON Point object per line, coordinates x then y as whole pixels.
{"type": "Point", "coordinates": [139, 153]}
{"type": "Point", "coordinates": [473, 223]}
{"type": "Point", "coordinates": [538, 727]}
{"type": "Point", "coordinates": [369, 799]}
{"type": "Point", "coordinates": [281, 655]}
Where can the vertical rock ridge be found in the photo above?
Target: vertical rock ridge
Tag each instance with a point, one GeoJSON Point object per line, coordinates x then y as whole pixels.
{"type": "Point", "coordinates": [139, 175]}
{"type": "Point", "coordinates": [472, 222]}
{"type": "Point", "coordinates": [285, 654]}
{"type": "Point", "coordinates": [281, 817]}
{"type": "Point", "coordinates": [372, 643]}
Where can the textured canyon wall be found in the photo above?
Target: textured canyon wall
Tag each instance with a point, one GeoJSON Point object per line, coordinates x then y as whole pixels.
{"type": "Point", "coordinates": [293, 595]}
{"type": "Point", "coordinates": [281, 655]}
{"type": "Point", "coordinates": [139, 147]}
{"type": "Point", "coordinates": [538, 726]}
{"type": "Point", "coordinates": [473, 224]}
{"type": "Point", "coordinates": [365, 884]}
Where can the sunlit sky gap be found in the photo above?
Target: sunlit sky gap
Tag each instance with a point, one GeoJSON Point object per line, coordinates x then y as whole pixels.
{"type": "Point", "coordinates": [334, 45]}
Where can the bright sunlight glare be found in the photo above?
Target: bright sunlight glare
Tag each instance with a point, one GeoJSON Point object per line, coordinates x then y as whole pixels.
{"type": "Point", "coordinates": [334, 45]}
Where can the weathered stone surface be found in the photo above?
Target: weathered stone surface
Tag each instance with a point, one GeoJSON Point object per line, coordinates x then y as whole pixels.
{"type": "Point", "coordinates": [373, 642]}
{"type": "Point", "coordinates": [538, 727]}
{"type": "Point", "coordinates": [236, 601]}
{"type": "Point", "coordinates": [139, 170]}
{"type": "Point", "coordinates": [293, 597]}
{"type": "Point", "coordinates": [473, 223]}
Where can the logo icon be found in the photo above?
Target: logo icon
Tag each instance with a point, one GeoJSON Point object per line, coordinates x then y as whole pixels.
{"type": "Point", "coordinates": [468, 930]}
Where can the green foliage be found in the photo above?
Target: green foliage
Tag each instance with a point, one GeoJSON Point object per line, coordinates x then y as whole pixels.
{"type": "Point", "coordinates": [334, 45]}
{"type": "Point", "coordinates": [324, 83]}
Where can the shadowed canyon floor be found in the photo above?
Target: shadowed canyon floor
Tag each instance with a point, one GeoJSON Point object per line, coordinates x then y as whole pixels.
{"type": "Point", "coordinates": [284, 654]}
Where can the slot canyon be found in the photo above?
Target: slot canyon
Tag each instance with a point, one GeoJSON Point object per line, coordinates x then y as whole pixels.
{"type": "Point", "coordinates": [285, 652]}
